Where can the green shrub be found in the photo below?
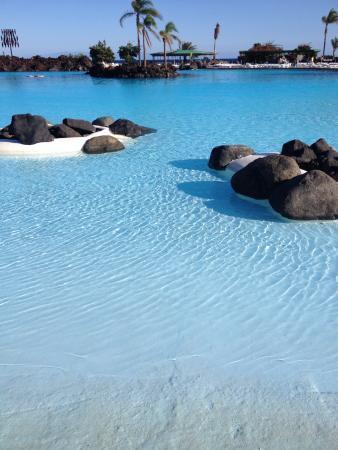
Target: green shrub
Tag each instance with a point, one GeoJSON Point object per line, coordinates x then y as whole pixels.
{"type": "Point", "coordinates": [101, 52]}
{"type": "Point", "coordinates": [128, 52]}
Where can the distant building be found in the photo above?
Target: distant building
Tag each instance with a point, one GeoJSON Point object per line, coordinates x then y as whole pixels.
{"type": "Point", "coordinates": [274, 54]}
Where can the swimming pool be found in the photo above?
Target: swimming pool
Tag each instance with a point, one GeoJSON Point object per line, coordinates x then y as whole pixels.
{"type": "Point", "coordinates": [143, 304]}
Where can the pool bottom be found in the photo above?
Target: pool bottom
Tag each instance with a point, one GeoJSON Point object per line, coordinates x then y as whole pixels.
{"type": "Point", "coordinates": [179, 407]}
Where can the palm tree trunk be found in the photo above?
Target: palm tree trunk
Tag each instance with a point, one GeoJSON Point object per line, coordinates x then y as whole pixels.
{"type": "Point", "coordinates": [165, 54]}
{"type": "Point", "coordinates": [138, 39]}
{"type": "Point", "coordinates": [144, 49]}
{"type": "Point", "coordinates": [325, 34]}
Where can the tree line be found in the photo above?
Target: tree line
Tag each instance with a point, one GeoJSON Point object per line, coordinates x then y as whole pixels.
{"type": "Point", "coordinates": [146, 16]}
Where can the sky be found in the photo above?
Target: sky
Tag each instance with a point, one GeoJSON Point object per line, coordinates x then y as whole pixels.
{"type": "Point", "coordinates": [70, 26]}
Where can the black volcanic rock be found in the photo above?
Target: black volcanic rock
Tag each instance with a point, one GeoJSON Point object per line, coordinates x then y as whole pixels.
{"type": "Point", "coordinates": [81, 126]}
{"type": "Point", "coordinates": [5, 134]}
{"type": "Point", "coordinates": [62, 63]}
{"type": "Point", "coordinates": [102, 144]}
{"type": "Point", "coordinates": [301, 153]}
{"type": "Point", "coordinates": [29, 129]}
{"type": "Point", "coordinates": [104, 121]}
{"type": "Point", "coordinates": [321, 146]}
{"type": "Point", "coordinates": [222, 155]}
{"type": "Point", "coordinates": [133, 71]}
{"type": "Point", "coordinates": [311, 196]}
{"type": "Point", "coordinates": [63, 131]}
{"type": "Point", "coordinates": [258, 178]}
{"type": "Point", "coordinates": [128, 128]}
{"type": "Point", "coordinates": [328, 163]}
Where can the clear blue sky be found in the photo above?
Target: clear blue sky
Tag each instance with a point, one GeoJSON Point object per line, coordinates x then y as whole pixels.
{"type": "Point", "coordinates": [51, 27]}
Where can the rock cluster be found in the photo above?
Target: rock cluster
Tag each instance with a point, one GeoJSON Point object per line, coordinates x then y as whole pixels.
{"type": "Point", "coordinates": [194, 65]}
{"type": "Point", "coordinates": [63, 63]}
{"type": "Point", "coordinates": [133, 71]}
{"type": "Point", "coordinates": [31, 129]}
{"type": "Point", "coordinates": [280, 178]}
{"type": "Point", "coordinates": [320, 155]}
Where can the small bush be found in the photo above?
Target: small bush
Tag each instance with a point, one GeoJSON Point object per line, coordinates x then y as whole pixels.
{"type": "Point", "coordinates": [101, 52]}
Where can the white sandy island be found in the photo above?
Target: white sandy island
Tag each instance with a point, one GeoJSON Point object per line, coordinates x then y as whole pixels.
{"type": "Point", "coordinates": [61, 147]}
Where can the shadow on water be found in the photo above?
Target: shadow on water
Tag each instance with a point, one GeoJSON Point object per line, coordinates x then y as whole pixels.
{"type": "Point", "coordinates": [218, 195]}
{"type": "Point", "coordinates": [191, 164]}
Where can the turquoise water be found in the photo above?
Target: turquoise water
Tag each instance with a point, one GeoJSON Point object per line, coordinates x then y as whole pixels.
{"type": "Point", "coordinates": [143, 304]}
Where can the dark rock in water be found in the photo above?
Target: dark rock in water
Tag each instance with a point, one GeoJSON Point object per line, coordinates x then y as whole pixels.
{"type": "Point", "coordinates": [133, 71]}
{"type": "Point", "coordinates": [102, 144]}
{"type": "Point", "coordinates": [39, 63]}
{"type": "Point", "coordinates": [81, 126]}
{"type": "Point", "coordinates": [258, 178]}
{"type": "Point", "coordinates": [301, 153]}
{"type": "Point", "coordinates": [222, 155]}
{"type": "Point", "coordinates": [321, 146]}
{"type": "Point", "coordinates": [105, 121]}
{"type": "Point", "coordinates": [313, 195]}
{"type": "Point", "coordinates": [29, 129]}
{"type": "Point", "coordinates": [128, 128]}
{"type": "Point", "coordinates": [328, 163]}
{"type": "Point", "coordinates": [5, 134]}
{"type": "Point", "coordinates": [63, 131]}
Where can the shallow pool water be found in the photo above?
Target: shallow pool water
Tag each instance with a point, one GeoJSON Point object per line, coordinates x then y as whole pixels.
{"type": "Point", "coordinates": [143, 304]}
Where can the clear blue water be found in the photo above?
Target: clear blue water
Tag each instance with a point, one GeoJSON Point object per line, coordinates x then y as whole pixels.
{"type": "Point", "coordinates": [143, 304]}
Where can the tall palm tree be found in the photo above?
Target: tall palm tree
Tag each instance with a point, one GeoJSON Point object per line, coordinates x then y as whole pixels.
{"type": "Point", "coordinates": [330, 19]}
{"type": "Point", "coordinates": [146, 27]}
{"type": "Point", "coordinates": [168, 37]}
{"type": "Point", "coordinates": [140, 9]}
{"type": "Point", "coordinates": [334, 43]}
{"type": "Point", "coordinates": [216, 34]}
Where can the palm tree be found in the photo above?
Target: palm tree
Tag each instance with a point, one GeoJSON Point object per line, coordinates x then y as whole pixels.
{"type": "Point", "coordinates": [147, 26]}
{"type": "Point", "coordinates": [140, 9]}
{"type": "Point", "coordinates": [188, 46]}
{"type": "Point", "coordinates": [168, 37]}
{"type": "Point", "coordinates": [334, 43]}
{"type": "Point", "coordinates": [216, 34]}
{"type": "Point", "coordinates": [330, 19]}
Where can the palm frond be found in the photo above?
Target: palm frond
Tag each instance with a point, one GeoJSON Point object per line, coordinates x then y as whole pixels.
{"type": "Point", "coordinates": [167, 34]}
{"type": "Point", "coordinates": [154, 33]}
{"type": "Point", "coordinates": [147, 38]}
{"type": "Point", "coordinates": [126, 16]}
{"type": "Point", "coordinates": [217, 31]}
{"type": "Point", "coordinates": [151, 12]}
{"type": "Point", "coordinates": [331, 18]}
{"type": "Point", "coordinates": [149, 22]}
{"type": "Point", "coordinates": [188, 46]}
{"type": "Point", "coordinates": [170, 28]}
